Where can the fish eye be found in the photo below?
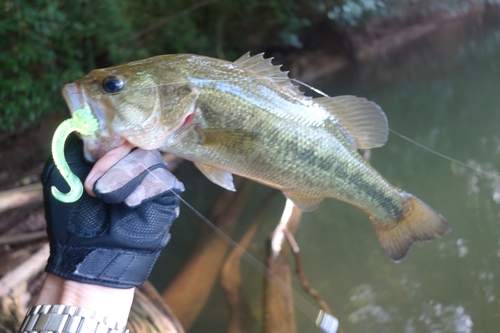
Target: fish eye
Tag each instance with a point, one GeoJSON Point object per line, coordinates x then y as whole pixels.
{"type": "Point", "coordinates": [112, 84]}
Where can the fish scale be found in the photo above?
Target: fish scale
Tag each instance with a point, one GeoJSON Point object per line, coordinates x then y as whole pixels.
{"type": "Point", "coordinates": [247, 118]}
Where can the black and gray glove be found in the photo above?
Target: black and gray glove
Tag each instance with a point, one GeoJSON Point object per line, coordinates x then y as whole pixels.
{"type": "Point", "coordinates": [115, 239]}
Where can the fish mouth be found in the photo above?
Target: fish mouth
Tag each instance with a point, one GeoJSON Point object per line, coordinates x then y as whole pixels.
{"type": "Point", "coordinates": [95, 146]}
{"type": "Point", "coordinates": [73, 96]}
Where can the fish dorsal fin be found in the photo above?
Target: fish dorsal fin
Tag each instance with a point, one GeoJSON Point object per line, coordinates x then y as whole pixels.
{"type": "Point", "coordinates": [364, 120]}
{"type": "Point", "coordinates": [265, 68]}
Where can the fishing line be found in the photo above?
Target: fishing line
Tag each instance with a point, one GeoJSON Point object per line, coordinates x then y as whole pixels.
{"type": "Point", "coordinates": [478, 170]}
{"type": "Point", "coordinates": [488, 174]}
{"type": "Point", "coordinates": [325, 321]}
{"type": "Point", "coordinates": [432, 151]}
{"type": "Point", "coordinates": [319, 92]}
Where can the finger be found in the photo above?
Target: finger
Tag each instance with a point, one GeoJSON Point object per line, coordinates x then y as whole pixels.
{"type": "Point", "coordinates": [104, 164]}
{"type": "Point", "coordinates": [157, 181]}
{"type": "Point", "coordinates": [119, 181]}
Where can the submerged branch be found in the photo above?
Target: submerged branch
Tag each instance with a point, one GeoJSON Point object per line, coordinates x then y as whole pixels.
{"type": "Point", "coordinates": [150, 314]}
{"type": "Point", "coordinates": [302, 276]}
{"type": "Point", "coordinates": [279, 314]}
{"type": "Point", "coordinates": [230, 279]}
{"type": "Point", "coordinates": [14, 290]}
{"type": "Point", "coordinates": [24, 272]}
{"type": "Point", "coordinates": [23, 238]}
{"type": "Point", "coordinates": [189, 291]}
{"type": "Point", "coordinates": [20, 196]}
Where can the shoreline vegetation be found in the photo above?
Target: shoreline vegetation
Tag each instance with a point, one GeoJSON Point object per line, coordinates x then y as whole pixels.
{"type": "Point", "coordinates": [52, 43]}
{"type": "Point", "coordinates": [313, 51]}
{"type": "Point", "coordinates": [385, 40]}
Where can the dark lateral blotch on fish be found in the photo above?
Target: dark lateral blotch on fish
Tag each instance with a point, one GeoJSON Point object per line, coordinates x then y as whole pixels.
{"type": "Point", "coordinates": [248, 118]}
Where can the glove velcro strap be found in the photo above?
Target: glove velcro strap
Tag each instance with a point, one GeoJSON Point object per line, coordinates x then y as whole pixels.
{"type": "Point", "coordinates": [106, 267]}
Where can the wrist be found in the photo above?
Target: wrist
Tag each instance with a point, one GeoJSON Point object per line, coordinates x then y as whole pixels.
{"type": "Point", "coordinates": [114, 303]}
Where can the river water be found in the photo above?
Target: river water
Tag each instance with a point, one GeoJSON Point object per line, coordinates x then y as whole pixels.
{"type": "Point", "coordinates": [444, 93]}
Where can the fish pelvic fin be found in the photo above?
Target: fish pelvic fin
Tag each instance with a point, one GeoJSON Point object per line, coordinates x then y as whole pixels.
{"type": "Point", "coordinates": [419, 223]}
{"type": "Point", "coordinates": [222, 178]}
{"type": "Point", "coordinates": [364, 120]}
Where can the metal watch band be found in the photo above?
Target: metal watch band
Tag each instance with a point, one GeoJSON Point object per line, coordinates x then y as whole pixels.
{"type": "Point", "coordinates": [67, 319]}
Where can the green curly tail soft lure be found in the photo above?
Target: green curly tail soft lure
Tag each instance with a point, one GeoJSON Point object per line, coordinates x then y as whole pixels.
{"type": "Point", "coordinates": [83, 122]}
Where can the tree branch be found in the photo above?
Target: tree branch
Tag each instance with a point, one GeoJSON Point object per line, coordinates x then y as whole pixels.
{"type": "Point", "coordinates": [167, 19]}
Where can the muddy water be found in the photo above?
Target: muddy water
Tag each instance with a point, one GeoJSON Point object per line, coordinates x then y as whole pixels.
{"type": "Point", "coordinates": [446, 96]}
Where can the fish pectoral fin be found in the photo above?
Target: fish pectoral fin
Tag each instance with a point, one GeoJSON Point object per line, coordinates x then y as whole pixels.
{"type": "Point", "coordinates": [305, 203]}
{"type": "Point", "coordinates": [364, 120]}
{"type": "Point", "coordinates": [222, 178]}
{"type": "Point", "coordinates": [418, 223]}
{"type": "Point", "coordinates": [233, 137]}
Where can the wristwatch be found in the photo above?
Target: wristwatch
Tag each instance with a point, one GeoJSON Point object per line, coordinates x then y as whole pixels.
{"type": "Point", "coordinates": [67, 319]}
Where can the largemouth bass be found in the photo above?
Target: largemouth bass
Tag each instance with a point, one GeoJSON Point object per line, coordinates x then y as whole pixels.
{"type": "Point", "coordinates": [247, 118]}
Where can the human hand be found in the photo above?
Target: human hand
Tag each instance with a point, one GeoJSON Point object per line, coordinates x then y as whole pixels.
{"type": "Point", "coordinates": [112, 240]}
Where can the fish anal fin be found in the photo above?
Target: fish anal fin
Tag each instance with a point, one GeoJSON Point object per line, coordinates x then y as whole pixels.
{"type": "Point", "coordinates": [227, 136]}
{"type": "Point", "coordinates": [264, 67]}
{"type": "Point", "coordinates": [419, 223]}
{"type": "Point", "coordinates": [364, 120]}
{"type": "Point", "coordinates": [222, 178]}
{"type": "Point", "coordinates": [305, 203]}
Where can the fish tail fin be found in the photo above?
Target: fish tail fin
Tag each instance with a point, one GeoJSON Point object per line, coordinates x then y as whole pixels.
{"type": "Point", "coordinates": [418, 223]}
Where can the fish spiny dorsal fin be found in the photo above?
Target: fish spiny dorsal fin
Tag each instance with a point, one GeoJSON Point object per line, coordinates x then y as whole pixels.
{"type": "Point", "coordinates": [242, 58]}
{"type": "Point", "coordinates": [265, 68]}
{"type": "Point", "coordinates": [364, 120]}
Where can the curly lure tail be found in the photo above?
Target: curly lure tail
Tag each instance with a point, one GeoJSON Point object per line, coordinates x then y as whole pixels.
{"type": "Point", "coordinates": [83, 122]}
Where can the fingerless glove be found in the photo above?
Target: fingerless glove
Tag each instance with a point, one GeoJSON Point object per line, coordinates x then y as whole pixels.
{"type": "Point", "coordinates": [112, 240]}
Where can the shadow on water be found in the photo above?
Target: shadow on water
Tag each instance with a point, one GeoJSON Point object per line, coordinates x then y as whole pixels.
{"type": "Point", "coordinates": [443, 92]}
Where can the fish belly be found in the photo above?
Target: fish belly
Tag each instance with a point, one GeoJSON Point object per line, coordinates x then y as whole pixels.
{"type": "Point", "coordinates": [303, 161]}
{"type": "Point", "coordinates": [249, 134]}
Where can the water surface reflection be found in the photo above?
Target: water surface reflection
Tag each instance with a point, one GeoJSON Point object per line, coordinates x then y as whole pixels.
{"type": "Point", "coordinates": [452, 106]}
{"type": "Point", "coordinates": [451, 103]}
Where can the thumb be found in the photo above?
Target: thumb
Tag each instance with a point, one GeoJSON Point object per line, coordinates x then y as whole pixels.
{"type": "Point", "coordinates": [104, 164]}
